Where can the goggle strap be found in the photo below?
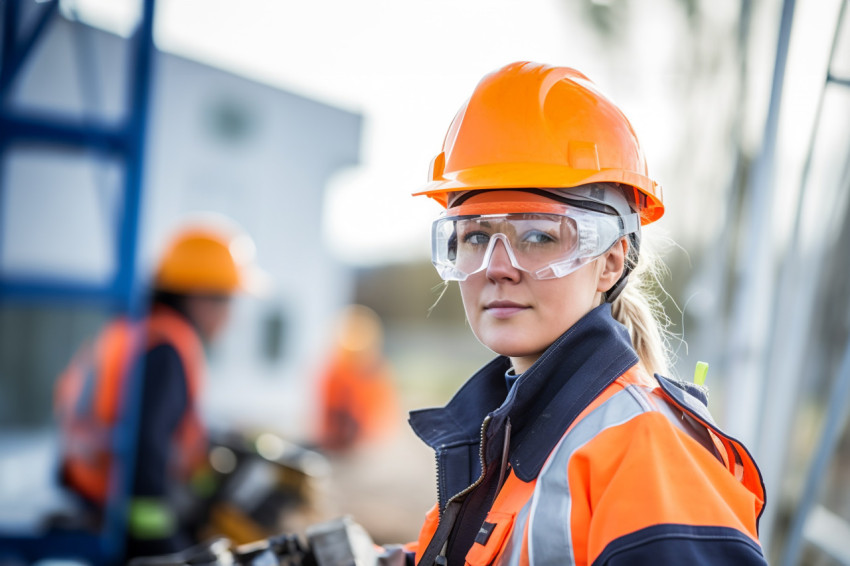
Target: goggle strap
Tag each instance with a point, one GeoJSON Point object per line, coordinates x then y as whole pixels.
{"type": "Point", "coordinates": [630, 224]}
{"type": "Point", "coordinates": [579, 203]}
{"type": "Point", "coordinates": [585, 204]}
{"type": "Point", "coordinates": [614, 292]}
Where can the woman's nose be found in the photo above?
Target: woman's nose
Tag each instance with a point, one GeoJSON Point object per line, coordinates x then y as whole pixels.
{"type": "Point", "coordinates": [500, 267]}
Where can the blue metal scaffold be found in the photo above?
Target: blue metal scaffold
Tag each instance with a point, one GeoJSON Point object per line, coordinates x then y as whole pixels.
{"type": "Point", "coordinates": [124, 142]}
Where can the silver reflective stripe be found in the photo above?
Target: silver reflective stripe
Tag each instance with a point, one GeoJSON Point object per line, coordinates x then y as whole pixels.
{"type": "Point", "coordinates": [549, 533]}
{"type": "Point", "coordinates": [549, 510]}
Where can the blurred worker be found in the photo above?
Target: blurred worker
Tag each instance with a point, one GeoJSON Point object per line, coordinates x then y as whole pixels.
{"type": "Point", "coordinates": [357, 396]}
{"type": "Point", "coordinates": [204, 265]}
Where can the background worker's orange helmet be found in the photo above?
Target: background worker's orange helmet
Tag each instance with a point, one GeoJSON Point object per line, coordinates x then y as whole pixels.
{"type": "Point", "coordinates": [359, 331]}
{"type": "Point", "coordinates": [529, 125]}
{"type": "Point", "coordinates": [204, 259]}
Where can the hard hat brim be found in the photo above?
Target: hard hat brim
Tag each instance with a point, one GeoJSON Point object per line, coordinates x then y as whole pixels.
{"type": "Point", "coordinates": [542, 175]}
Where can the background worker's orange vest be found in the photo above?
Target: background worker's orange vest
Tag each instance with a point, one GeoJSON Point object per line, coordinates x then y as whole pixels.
{"type": "Point", "coordinates": [90, 397]}
{"type": "Point", "coordinates": [358, 400]}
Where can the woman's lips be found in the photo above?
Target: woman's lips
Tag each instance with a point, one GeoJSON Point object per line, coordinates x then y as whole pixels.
{"type": "Point", "coordinates": [503, 309]}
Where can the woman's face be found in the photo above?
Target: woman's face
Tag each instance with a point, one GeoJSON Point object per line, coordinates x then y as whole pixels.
{"type": "Point", "coordinates": [518, 316]}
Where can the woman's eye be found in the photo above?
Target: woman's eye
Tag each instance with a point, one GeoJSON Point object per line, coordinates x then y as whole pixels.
{"type": "Point", "coordinates": [537, 237]}
{"type": "Point", "coordinates": [476, 238]}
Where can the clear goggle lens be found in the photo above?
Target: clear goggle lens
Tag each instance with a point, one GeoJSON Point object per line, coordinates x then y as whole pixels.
{"type": "Point", "coordinates": [545, 246]}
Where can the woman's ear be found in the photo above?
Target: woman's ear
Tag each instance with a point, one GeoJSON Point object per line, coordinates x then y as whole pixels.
{"type": "Point", "coordinates": [613, 263]}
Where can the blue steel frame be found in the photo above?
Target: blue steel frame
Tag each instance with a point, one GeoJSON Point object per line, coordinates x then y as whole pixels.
{"type": "Point", "coordinates": [123, 294]}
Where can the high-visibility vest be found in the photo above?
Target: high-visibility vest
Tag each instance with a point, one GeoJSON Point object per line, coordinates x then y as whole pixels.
{"type": "Point", "coordinates": [622, 470]}
{"type": "Point", "coordinates": [358, 400]}
{"type": "Point", "coordinates": [91, 396]}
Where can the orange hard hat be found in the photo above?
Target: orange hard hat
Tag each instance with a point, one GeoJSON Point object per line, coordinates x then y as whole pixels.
{"type": "Point", "coordinates": [203, 259]}
{"type": "Point", "coordinates": [529, 125]}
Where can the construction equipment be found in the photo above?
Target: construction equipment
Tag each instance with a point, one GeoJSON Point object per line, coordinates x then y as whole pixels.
{"type": "Point", "coordinates": [259, 485]}
{"type": "Point", "coordinates": [340, 542]}
{"type": "Point", "coordinates": [262, 485]}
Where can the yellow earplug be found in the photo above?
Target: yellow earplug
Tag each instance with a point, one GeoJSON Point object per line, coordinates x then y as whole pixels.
{"type": "Point", "coordinates": [700, 373]}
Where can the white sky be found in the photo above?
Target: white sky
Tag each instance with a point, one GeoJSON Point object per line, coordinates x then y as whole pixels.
{"type": "Point", "coordinates": [407, 66]}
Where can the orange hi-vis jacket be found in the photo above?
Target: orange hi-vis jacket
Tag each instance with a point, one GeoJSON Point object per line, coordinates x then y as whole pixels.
{"type": "Point", "coordinates": [587, 460]}
{"type": "Point", "coordinates": [91, 391]}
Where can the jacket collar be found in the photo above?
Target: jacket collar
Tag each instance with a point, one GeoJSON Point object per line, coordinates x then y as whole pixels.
{"type": "Point", "coordinates": [545, 400]}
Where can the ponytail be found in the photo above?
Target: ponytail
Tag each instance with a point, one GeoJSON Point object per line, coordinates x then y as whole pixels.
{"type": "Point", "coordinates": [639, 309]}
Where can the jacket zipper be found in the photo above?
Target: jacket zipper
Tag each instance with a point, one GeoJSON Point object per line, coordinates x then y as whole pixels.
{"type": "Point", "coordinates": [474, 484]}
{"type": "Point", "coordinates": [441, 557]}
{"type": "Point", "coordinates": [503, 468]}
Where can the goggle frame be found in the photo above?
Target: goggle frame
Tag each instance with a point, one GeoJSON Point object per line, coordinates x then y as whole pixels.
{"type": "Point", "coordinates": [596, 233]}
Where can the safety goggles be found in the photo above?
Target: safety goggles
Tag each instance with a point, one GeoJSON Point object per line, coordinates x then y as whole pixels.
{"type": "Point", "coordinates": [545, 241]}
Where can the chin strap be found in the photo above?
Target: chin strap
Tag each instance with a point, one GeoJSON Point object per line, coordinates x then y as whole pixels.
{"type": "Point", "coordinates": [631, 259]}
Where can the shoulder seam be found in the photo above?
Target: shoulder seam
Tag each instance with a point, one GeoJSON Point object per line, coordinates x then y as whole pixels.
{"type": "Point", "coordinates": [640, 396]}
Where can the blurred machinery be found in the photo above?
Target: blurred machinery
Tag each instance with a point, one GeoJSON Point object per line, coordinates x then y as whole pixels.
{"type": "Point", "coordinates": [340, 542]}
{"type": "Point", "coordinates": [263, 485]}
{"type": "Point", "coordinates": [260, 485]}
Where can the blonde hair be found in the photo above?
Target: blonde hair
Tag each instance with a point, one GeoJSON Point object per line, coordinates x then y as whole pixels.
{"type": "Point", "coordinates": [640, 310]}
